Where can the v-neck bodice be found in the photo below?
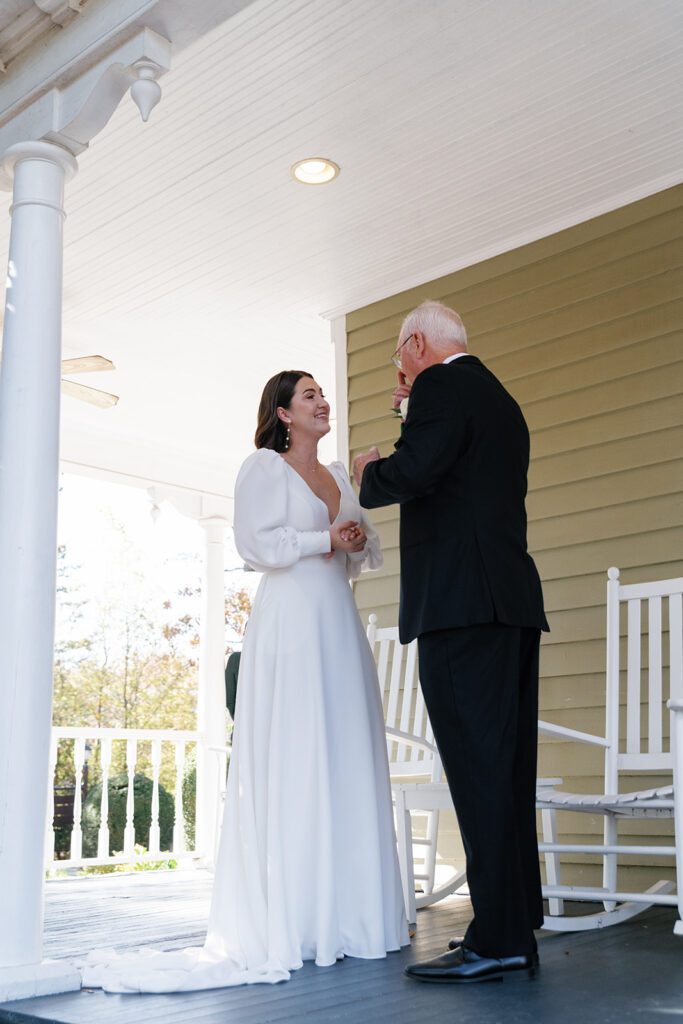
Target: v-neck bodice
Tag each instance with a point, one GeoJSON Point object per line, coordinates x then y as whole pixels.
{"type": "Point", "coordinates": [280, 523]}
{"type": "Point", "coordinates": [317, 497]}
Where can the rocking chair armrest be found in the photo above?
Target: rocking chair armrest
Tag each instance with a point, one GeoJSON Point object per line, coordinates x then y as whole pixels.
{"type": "Point", "coordinates": [675, 705]}
{"type": "Point", "coordinates": [561, 731]}
{"type": "Point", "coordinates": [408, 738]}
{"type": "Point", "coordinates": [548, 783]}
{"type": "Point", "coordinates": [221, 750]}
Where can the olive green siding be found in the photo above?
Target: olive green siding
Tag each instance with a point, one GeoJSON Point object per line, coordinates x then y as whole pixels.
{"type": "Point", "coordinates": [585, 330]}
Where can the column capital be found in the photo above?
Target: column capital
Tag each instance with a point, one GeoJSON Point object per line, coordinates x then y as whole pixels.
{"type": "Point", "coordinates": [39, 150]}
{"type": "Point", "coordinates": [214, 522]}
{"type": "Point", "coordinates": [195, 505]}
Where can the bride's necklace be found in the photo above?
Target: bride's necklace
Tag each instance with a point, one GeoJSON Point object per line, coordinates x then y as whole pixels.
{"type": "Point", "coordinates": [307, 468]}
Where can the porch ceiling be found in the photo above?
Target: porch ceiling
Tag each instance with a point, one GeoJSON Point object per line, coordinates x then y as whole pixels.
{"type": "Point", "coordinates": [462, 128]}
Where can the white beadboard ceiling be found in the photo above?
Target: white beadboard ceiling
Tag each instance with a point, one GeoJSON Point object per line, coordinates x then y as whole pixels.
{"type": "Point", "coordinates": [462, 127]}
{"type": "Point", "coordinates": [24, 22]}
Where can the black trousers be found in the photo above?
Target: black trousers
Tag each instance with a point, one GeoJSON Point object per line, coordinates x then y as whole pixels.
{"type": "Point", "coordinates": [480, 685]}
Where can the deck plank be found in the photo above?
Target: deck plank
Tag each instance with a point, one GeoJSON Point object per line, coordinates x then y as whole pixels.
{"type": "Point", "coordinates": [630, 973]}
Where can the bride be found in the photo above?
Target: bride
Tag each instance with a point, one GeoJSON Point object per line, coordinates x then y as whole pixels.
{"type": "Point", "coordinates": [307, 867]}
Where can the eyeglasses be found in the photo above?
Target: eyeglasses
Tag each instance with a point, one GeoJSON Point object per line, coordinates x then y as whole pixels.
{"type": "Point", "coordinates": [396, 359]}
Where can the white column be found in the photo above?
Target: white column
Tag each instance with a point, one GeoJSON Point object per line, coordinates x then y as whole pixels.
{"type": "Point", "coordinates": [341, 387]}
{"type": "Point", "coordinates": [211, 697]}
{"type": "Point", "coordinates": [29, 449]}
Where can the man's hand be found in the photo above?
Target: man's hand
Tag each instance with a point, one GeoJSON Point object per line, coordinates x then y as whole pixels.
{"type": "Point", "coordinates": [402, 390]}
{"type": "Point", "coordinates": [361, 461]}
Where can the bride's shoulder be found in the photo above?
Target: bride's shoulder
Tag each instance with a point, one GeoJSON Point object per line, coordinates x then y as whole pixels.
{"type": "Point", "coordinates": [262, 460]}
{"type": "Point", "coordinates": [340, 471]}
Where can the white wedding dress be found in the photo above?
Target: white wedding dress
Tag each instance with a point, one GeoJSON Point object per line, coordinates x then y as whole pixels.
{"type": "Point", "coordinates": [307, 867]}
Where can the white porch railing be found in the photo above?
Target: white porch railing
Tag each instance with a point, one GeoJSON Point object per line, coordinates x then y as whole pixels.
{"type": "Point", "coordinates": [108, 739]}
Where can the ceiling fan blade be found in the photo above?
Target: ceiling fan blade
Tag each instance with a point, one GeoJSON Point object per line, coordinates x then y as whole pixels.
{"type": "Point", "coordinates": [92, 395]}
{"type": "Point", "coordinates": [86, 364]}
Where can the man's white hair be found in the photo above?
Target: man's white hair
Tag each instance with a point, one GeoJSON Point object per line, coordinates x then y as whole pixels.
{"type": "Point", "coordinates": [440, 325]}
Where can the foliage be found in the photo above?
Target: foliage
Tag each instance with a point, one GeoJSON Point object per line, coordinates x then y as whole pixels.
{"type": "Point", "coordinates": [135, 664]}
{"type": "Point", "coordinates": [62, 841]}
{"type": "Point", "coordinates": [190, 797]}
{"type": "Point", "coordinates": [186, 627]}
{"type": "Point", "coordinates": [137, 865]}
{"type": "Point", "coordinates": [142, 816]}
{"type": "Point", "coordinates": [237, 611]}
{"type": "Point", "coordinates": [126, 657]}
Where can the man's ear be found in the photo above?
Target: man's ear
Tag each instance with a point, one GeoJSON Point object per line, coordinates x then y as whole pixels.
{"type": "Point", "coordinates": [419, 343]}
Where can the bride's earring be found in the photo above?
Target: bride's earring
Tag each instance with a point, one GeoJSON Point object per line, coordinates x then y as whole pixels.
{"type": "Point", "coordinates": [287, 437]}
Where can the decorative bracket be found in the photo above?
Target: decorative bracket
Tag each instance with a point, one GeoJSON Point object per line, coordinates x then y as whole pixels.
{"type": "Point", "coordinates": [71, 116]}
{"type": "Point", "coordinates": [145, 90]}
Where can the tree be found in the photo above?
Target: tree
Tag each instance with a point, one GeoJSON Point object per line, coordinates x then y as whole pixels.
{"type": "Point", "coordinates": [70, 646]}
{"type": "Point", "coordinates": [187, 627]}
{"type": "Point", "coordinates": [128, 659]}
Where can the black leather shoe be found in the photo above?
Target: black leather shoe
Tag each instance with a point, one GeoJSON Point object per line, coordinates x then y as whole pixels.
{"type": "Point", "coordinates": [457, 942]}
{"type": "Point", "coordinates": [464, 965]}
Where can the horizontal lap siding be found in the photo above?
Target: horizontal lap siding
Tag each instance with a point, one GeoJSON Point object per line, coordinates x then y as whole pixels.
{"type": "Point", "coordinates": [585, 330]}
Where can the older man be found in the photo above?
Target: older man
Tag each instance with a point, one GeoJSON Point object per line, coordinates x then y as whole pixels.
{"type": "Point", "coordinates": [471, 594]}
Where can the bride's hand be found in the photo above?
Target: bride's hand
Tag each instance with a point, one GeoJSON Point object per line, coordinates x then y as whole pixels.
{"type": "Point", "coordinates": [349, 537]}
{"type": "Point", "coordinates": [357, 534]}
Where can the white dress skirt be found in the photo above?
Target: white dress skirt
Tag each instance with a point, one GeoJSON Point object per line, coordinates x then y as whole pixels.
{"type": "Point", "coordinates": [307, 867]}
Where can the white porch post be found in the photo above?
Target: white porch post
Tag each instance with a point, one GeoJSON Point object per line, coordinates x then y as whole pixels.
{"type": "Point", "coordinates": [341, 387]}
{"type": "Point", "coordinates": [29, 450]}
{"type": "Point", "coordinates": [211, 696]}
{"type": "Point", "coordinates": [37, 149]}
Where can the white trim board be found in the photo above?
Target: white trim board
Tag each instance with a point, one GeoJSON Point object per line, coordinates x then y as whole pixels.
{"type": "Point", "coordinates": [535, 234]}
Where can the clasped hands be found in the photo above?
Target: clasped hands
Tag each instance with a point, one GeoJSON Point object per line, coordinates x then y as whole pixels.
{"type": "Point", "coordinates": [348, 536]}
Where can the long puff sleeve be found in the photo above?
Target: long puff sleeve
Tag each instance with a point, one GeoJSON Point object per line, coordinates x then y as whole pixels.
{"type": "Point", "coordinates": [371, 556]}
{"type": "Point", "coordinates": [262, 536]}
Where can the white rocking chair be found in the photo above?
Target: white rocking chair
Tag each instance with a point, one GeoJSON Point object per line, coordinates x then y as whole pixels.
{"type": "Point", "coordinates": [412, 755]}
{"type": "Point", "coordinates": [626, 756]}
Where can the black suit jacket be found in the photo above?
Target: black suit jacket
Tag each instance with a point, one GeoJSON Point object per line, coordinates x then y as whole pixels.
{"type": "Point", "coordinates": [459, 473]}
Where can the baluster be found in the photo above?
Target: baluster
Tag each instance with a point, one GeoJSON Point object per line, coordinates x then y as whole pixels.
{"type": "Point", "coordinates": [392, 705]}
{"type": "Point", "coordinates": [76, 832]}
{"type": "Point", "coordinates": [154, 835]}
{"type": "Point", "coordinates": [103, 833]}
{"type": "Point", "coordinates": [419, 724]}
{"type": "Point", "coordinates": [179, 823]}
{"type": "Point", "coordinates": [382, 665]}
{"type": "Point", "coordinates": [409, 682]}
{"type": "Point", "coordinates": [129, 831]}
{"type": "Point", "coordinates": [50, 822]}
{"type": "Point", "coordinates": [654, 663]}
{"type": "Point", "coordinates": [633, 678]}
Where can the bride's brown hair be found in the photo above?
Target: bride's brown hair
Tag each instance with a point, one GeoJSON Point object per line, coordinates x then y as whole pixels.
{"type": "Point", "coordinates": [271, 432]}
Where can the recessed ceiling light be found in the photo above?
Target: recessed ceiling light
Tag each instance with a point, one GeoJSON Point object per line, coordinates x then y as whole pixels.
{"type": "Point", "coordinates": [314, 170]}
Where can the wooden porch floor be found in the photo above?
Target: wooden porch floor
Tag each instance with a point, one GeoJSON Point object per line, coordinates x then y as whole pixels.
{"type": "Point", "coordinates": [630, 973]}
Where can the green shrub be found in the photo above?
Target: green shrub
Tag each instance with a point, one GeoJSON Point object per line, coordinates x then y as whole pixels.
{"type": "Point", "coordinates": [62, 842]}
{"type": "Point", "coordinates": [142, 814]}
{"type": "Point", "coordinates": [136, 865]}
{"type": "Point", "coordinates": [190, 797]}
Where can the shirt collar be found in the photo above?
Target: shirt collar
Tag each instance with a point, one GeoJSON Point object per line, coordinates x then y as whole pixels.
{"type": "Point", "coordinates": [455, 355]}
